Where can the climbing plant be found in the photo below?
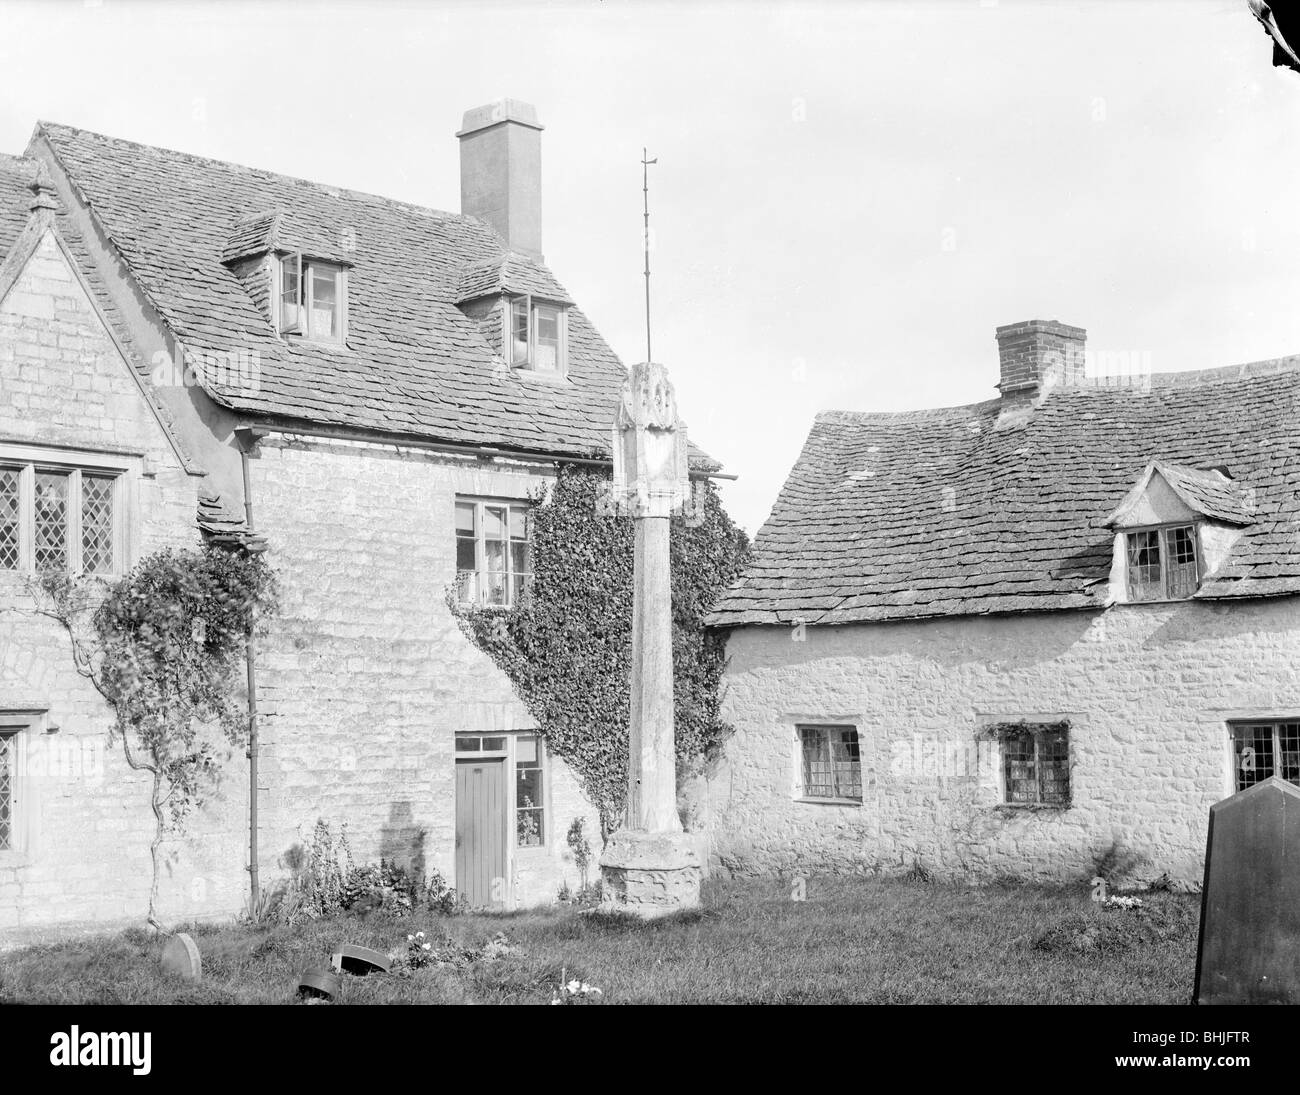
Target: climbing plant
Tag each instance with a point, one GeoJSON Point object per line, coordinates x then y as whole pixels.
{"type": "Point", "coordinates": [566, 645]}
{"type": "Point", "coordinates": [164, 645]}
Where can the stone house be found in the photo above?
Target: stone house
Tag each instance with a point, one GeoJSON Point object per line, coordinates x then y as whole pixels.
{"type": "Point", "coordinates": [195, 350]}
{"type": "Point", "coordinates": [1013, 637]}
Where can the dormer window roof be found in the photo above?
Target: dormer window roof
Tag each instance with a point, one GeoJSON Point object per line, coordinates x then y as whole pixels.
{"type": "Point", "coordinates": [1166, 493]}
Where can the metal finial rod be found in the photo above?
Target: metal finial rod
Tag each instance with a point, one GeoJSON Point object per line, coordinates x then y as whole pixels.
{"type": "Point", "coordinates": [645, 194]}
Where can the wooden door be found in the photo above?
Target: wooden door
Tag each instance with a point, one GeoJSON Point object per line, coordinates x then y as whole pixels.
{"type": "Point", "coordinates": [481, 831]}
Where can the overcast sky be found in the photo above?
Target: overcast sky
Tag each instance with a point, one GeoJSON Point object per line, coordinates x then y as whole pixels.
{"type": "Point", "coordinates": [849, 196]}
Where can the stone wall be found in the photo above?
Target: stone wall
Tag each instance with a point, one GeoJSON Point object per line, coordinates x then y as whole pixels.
{"type": "Point", "coordinates": [1148, 691]}
{"type": "Point", "coordinates": [366, 677]}
{"type": "Point", "coordinates": [83, 818]}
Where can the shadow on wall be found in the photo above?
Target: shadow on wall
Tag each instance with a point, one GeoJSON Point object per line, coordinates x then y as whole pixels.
{"type": "Point", "coordinates": [401, 840]}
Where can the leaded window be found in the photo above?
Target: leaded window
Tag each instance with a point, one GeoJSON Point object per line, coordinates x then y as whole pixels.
{"type": "Point", "coordinates": [59, 518]}
{"type": "Point", "coordinates": [10, 483]}
{"type": "Point", "coordinates": [831, 763]}
{"type": "Point", "coordinates": [8, 788]}
{"type": "Point", "coordinates": [1163, 563]}
{"type": "Point", "coordinates": [1036, 766]}
{"type": "Point", "coordinates": [1265, 749]}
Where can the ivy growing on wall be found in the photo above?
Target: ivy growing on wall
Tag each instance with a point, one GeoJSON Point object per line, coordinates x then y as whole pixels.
{"type": "Point", "coordinates": [165, 645]}
{"type": "Point", "coordinates": [567, 645]}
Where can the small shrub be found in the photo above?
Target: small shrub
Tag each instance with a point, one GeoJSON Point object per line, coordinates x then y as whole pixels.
{"type": "Point", "coordinates": [441, 898]}
{"type": "Point", "coordinates": [580, 846]}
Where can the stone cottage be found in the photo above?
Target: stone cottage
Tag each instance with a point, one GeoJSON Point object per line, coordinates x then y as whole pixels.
{"type": "Point", "coordinates": [195, 350]}
{"type": "Point", "coordinates": [1020, 637]}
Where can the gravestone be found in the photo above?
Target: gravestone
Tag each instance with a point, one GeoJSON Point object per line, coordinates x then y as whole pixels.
{"type": "Point", "coordinates": [181, 957]}
{"type": "Point", "coordinates": [1249, 949]}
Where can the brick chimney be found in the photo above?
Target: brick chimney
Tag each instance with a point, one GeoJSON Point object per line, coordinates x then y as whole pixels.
{"type": "Point", "coordinates": [501, 171]}
{"type": "Point", "coordinates": [1036, 356]}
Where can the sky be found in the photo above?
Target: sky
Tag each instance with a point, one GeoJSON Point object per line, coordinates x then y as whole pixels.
{"type": "Point", "coordinates": [849, 196]}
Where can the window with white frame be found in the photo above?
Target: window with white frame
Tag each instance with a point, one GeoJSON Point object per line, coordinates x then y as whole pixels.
{"type": "Point", "coordinates": [493, 561]}
{"type": "Point", "coordinates": [60, 517]}
{"type": "Point", "coordinates": [1163, 563]}
{"type": "Point", "coordinates": [536, 334]}
{"type": "Point", "coordinates": [1265, 749]}
{"type": "Point", "coordinates": [1036, 764]}
{"type": "Point", "coordinates": [830, 763]}
{"type": "Point", "coordinates": [312, 298]}
{"type": "Point", "coordinates": [530, 801]}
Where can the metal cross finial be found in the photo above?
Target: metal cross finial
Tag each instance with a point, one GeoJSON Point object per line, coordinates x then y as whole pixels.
{"type": "Point", "coordinates": [645, 192]}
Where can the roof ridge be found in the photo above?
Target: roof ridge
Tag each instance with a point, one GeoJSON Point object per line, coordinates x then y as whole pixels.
{"type": "Point", "coordinates": [849, 417]}
{"type": "Point", "coordinates": [42, 125]}
{"type": "Point", "coordinates": [1246, 370]}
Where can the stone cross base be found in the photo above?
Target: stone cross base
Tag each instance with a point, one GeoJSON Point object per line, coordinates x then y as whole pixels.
{"type": "Point", "coordinates": [650, 874]}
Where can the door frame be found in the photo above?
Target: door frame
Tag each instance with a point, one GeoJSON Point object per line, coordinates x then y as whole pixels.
{"type": "Point", "coordinates": [510, 754]}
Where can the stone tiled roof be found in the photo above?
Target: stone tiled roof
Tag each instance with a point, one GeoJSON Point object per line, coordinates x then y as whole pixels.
{"type": "Point", "coordinates": [509, 272]}
{"type": "Point", "coordinates": [936, 513]}
{"type": "Point", "coordinates": [16, 174]}
{"type": "Point", "coordinates": [414, 365]}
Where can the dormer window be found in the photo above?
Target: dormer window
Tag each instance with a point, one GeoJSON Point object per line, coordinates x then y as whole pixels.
{"type": "Point", "coordinates": [312, 299]}
{"type": "Point", "coordinates": [1163, 563]}
{"type": "Point", "coordinates": [536, 335]}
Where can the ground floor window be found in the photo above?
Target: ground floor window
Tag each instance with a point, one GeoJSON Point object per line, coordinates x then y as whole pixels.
{"type": "Point", "coordinates": [530, 810]}
{"type": "Point", "coordinates": [831, 763]}
{"type": "Point", "coordinates": [1265, 749]}
{"type": "Point", "coordinates": [1036, 764]}
{"type": "Point", "coordinates": [13, 726]}
{"type": "Point", "coordinates": [8, 787]}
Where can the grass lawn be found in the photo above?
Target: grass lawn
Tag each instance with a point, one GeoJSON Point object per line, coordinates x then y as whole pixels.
{"type": "Point", "coordinates": [852, 941]}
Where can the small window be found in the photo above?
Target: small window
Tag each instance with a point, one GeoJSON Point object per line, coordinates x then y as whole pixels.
{"type": "Point", "coordinates": [1163, 563]}
{"type": "Point", "coordinates": [14, 726]}
{"type": "Point", "coordinates": [493, 563]}
{"type": "Point", "coordinates": [831, 763]}
{"type": "Point", "coordinates": [1265, 749]}
{"type": "Point", "coordinates": [312, 299]}
{"type": "Point", "coordinates": [530, 810]}
{"type": "Point", "coordinates": [8, 788]}
{"type": "Point", "coordinates": [535, 334]}
{"type": "Point", "coordinates": [1036, 766]}
{"type": "Point", "coordinates": [473, 743]}
{"type": "Point", "coordinates": [59, 519]}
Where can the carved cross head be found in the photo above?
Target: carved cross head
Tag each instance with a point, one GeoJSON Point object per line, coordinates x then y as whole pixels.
{"type": "Point", "coordinates": [649, 445]}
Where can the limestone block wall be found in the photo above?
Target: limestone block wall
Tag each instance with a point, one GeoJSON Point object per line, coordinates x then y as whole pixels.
{"type": "Point", "coordinates": [365, 678]}
{"type": "Point", "coordinates": [1148, 690]}
{"type": "Point", "coordinates": [83, 823]}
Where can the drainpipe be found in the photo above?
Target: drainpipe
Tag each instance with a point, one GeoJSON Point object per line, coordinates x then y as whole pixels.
{"type": "Point", "coordinates": [249, 439]}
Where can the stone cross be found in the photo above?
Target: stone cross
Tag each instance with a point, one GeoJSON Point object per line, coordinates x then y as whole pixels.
{"type": "Point", "coordinates": [649, 866]}
{"type": "Point", "coordinates": [1249, 949]}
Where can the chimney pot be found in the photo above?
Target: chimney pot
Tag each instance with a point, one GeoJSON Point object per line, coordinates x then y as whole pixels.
{"type": "Point", "coordinates": [501, 171]}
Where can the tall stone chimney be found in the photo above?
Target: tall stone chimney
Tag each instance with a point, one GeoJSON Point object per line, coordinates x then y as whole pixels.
{"type": "Point", "coordinates": [1036, 356]}
{"type": "Point", "coordinates": [501, 171]}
